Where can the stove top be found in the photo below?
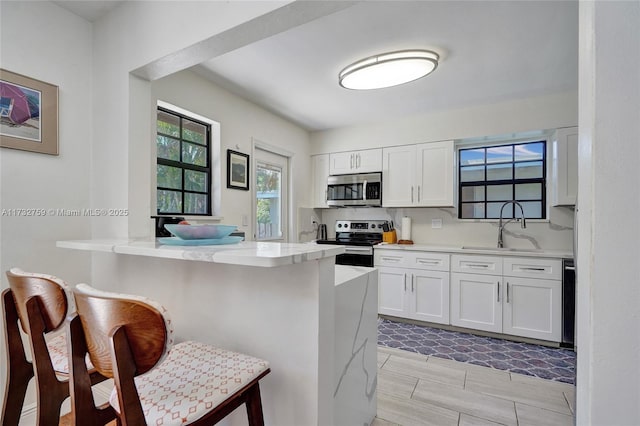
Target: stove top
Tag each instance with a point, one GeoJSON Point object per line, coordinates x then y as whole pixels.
{"type": "Point", "coordinates": [357, 233]}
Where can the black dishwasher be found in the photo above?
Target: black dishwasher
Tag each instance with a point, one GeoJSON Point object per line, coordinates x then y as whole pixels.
{"type": "Point", "coordinates": [568, 303]}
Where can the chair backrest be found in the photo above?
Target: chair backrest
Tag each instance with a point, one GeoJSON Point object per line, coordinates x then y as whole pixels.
{"type": "Point", "coordinates": [146, 324]}
{"type": "Point", "coordinates": [51, 293]}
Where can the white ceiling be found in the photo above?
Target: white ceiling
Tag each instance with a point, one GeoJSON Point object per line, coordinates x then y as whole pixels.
{"type": "Point", "coordinates": [490, 51]}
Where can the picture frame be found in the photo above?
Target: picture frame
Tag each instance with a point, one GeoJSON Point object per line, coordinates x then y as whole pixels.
{"type": "Point", "coordinates": [28, 114]}
{"type": "Point", "coordinates": [237, 170]}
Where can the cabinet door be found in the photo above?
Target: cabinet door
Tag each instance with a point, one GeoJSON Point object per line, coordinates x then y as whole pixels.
{"type": "Point", "coordinates": [320, 166]}
{"type": "Point", "coordinates": [392, 292]}
{"type": "Point", "coordinates": [476, 301]}
{"type": "Point", "coordinates": [564, 159]}
{"type": "Point", "coordinates": [368, 161]}
{"type": "Point", "coordinates": [429, 300]}
{"type": "Point", "coordinates": [398, 171]}
{"type": "Point", "coordinates": [533, 308]}
{"type": "Point", "coordinates": [435, 172]}
{"type": "Point", "coordinates": [342, 163]}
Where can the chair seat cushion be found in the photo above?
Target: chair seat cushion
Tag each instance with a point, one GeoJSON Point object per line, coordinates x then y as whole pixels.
{"type": "Point", "coordinates": [58, 353]}
{"type": "Point", "coordinates": [191, 381]}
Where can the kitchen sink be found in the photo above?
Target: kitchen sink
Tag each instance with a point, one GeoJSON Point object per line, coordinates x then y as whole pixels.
{"type": "Point", "coordinates": [524, 250]}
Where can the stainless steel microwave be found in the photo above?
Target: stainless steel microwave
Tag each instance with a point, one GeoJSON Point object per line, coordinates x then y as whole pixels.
{"type": "Point", "coordinates": [363, 189]}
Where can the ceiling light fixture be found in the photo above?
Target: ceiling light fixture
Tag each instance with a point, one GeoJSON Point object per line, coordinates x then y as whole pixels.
{"type": "Point", "coordinates": [388, 69]}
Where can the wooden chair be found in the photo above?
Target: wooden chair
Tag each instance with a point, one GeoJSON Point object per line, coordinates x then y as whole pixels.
{"type": "Point", "coordinates": [129, 338]}
{"type": "Point", "coordinates": [40, 304]}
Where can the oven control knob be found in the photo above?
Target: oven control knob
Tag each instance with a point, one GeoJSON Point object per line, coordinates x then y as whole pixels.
{"type": "Point", "coordinates": [373, 226]}
{"type": "Point", "coordinates": [339, 225]}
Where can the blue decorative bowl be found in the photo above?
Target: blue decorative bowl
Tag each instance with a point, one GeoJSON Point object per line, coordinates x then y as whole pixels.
{"type": "Point", "coordinates": [200, 232]}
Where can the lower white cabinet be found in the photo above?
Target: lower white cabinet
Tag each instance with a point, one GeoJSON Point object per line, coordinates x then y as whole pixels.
{"type": "Point", "coordinates": [525, 300]}
{"type": "Point", "coordinates": [419, 291]}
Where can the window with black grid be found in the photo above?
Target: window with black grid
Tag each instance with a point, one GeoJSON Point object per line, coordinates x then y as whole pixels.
{"type": "Point", "coordinates": [492, 175]}
{"type": "Point", "coordinates": [183, 164]}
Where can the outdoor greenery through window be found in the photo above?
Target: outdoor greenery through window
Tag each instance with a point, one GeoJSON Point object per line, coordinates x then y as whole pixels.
{"type": "Point", "coordinates": [490, 176]}
{"type": "Point", "coordinates": [183, 164]}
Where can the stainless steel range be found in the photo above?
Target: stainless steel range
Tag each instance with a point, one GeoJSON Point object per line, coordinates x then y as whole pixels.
{"type": "Point", "coordinates": [359, 236]}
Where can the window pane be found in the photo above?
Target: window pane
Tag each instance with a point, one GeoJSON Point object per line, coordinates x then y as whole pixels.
{"type": "Point", "coordinates": [471, 173]}
{"type": "Point", "coordinates": [195, 203]}
{"type": "Point", "coordinates": [529, 170]}
{"type": "Point", "coordinates": [268, 203]}
{"type": "Point", "coordinates": [194, 132]}
{"type": "Point", "coordinates": [194, 154]}
{"type": "Point", "coordinates": [168, 148]}
{"type": "Point", "coordinates": [470, 157]}
{"type": "Point", "coordinates": [473, 211]}
{"type": "Point", "coordinates": [473, 193]}
{"type": "Point", "coordinates": [168, 124]}
{"type": "Point", "coordinates": [530, 151]}
{"type": "Point", "coordinates": [500, 154]}
{"type": "Point", "coordinates": [195, 181]}
{"type": "Point", "coordinates": [500, 171]}
{"type": "Point", "coordinates": [169, 177]}
{"type": "Point", "coordinates": [493, 210]}
{"type": "Point", "coordinates": [532, 209]}
{"type": "Point", "coordinates": [169, 201]}
{"type": "Point", "coordinates": [499, 192]}
{"type": "Point", "coordinates": [529, 191]}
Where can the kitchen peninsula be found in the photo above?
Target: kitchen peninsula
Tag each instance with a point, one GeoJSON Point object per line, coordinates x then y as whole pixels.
{"type": "Point", "coordinates": [315, 322]}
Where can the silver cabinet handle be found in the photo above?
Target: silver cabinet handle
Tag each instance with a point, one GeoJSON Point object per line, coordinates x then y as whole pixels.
{"type": "Point", "coordinates": [405, 282]}
{"type": "Point", "coordinates": [429, 262]}
{"type": "Point", "coordinates": [351, 161]}
{"type": "Point", "coordinates": [412, 276]}
{"type": "Point", "coordinates": [507, 291]}
{"type": "Point", "coordinates": [358, 161]}
{"type": "Point", "coordinates": [412, 193]}
{"type": "Point", "coordinates": [498, 291]}
{"type": "Point", "coordinates": [477, 265]}
{"type": "Point", "coordinates": [532, 269]}
{"type": "Point", "coordinates": [391, 259]}
{"type": "Point", "coordinates": [418, 193]}
{"type": "Point", "coordinates": [326, 195]}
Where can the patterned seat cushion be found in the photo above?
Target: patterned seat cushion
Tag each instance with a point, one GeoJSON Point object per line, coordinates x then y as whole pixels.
{"type": "Point", "coordinates": [191, 381]}
{"type": "Point", "coordinates": [58, 354]}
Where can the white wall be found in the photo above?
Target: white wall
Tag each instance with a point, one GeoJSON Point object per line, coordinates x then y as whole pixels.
{"type": "Point", "coordinates": [530, 114]}
{"type": "Point", "coordinates": [43, 41]}
{"type": "Point", "coordinates": [608, 323]}
{"type": "Point", "coordinates": [240, 123]}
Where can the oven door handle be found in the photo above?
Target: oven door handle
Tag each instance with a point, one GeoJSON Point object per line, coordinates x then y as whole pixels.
{"type": "Point", "coordinates": [358, 250]}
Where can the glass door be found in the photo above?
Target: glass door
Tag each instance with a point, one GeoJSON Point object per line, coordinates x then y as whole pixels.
{"type": "Point", "coordinates": [271, 196]}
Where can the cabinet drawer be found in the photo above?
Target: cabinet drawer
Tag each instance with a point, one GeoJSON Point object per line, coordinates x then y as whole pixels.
{"type": "Point", "coordinates": [490, 265]}
{"type": "Point", "coordinates": [525, 267]}
{"type": "Point", "coordinates": [395, 258]}
{"type": "Point", "coordinates": [429, 261]}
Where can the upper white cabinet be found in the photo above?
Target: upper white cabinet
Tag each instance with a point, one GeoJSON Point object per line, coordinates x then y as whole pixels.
{"type": "Point", "coordinates": [365, 161]}
{"type": "Point", "coordinates": [564, 160]}
{"type": "Point", "coordinates": [320, 173]}
{"type": "Point", "coordinates": [419, 175]}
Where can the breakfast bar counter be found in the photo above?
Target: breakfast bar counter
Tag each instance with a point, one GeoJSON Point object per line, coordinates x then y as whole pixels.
{"type": "Point", "coordinates": [315, 322]}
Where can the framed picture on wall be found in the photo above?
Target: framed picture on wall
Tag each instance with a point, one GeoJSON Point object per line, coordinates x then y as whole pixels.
{"type": "Point", "coordinates": [237, 170]}
{"type": "Point", "coordinates": [28, 114]}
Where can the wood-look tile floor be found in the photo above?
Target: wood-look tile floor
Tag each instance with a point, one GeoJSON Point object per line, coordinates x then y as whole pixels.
{"type": "Point", "coordinates": [416, 389]}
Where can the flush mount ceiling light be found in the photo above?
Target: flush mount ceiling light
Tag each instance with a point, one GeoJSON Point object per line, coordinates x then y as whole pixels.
{"type": "Point", "coordinates": [388, 69]}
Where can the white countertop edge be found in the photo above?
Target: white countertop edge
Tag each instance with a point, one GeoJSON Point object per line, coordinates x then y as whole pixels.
{"type": "Point", "coordinates": [488, 252]}
{"type": "Point", "coordinates": [247, 253]}
{"type": "Point", "coordinates": [346, 273]}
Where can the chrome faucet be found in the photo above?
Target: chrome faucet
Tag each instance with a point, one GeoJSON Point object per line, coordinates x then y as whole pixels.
{"type": "Point", "coordinates": [501, 225]}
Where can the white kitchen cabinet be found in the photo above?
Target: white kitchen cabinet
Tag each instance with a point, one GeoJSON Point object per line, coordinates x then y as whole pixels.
{"type": "Point", "coordinates": [418, 175]}
{"type": "Point", "coordinates": [365, 161]}
{"type": "Point", "coordinates": [564, 167]}
{"type": "Point", "coordinates": [476, 301]}
{"type": "Point", "coordinates": [512, 295]}
{"type": "Point", "coordinates": [415, 287]}
{"type": "Point", "coordinates": [320, 173]}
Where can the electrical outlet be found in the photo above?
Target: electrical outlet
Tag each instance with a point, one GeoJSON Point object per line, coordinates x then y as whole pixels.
{"type": "Point", "coordinates": [436, 223]}
{"type": "Point", "coordinates": [245, 220]}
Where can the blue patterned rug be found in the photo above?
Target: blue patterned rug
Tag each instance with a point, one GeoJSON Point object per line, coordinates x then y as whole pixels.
{"type": "Point", "coordinates": [524, 358]}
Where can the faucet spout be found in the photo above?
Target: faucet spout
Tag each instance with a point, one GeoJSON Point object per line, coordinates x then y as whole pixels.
{"type": "Point", "coordinates": [501, 225]}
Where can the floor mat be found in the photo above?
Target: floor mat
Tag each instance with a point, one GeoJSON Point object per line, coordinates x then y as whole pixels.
{"type": "Point", "coordinates": [524, 358]}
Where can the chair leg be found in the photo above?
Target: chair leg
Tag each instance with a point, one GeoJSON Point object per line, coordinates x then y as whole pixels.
{"type": "Point", "coordinates": [254, 406]}
{"type": "Point", "coordinates": [19, 370]}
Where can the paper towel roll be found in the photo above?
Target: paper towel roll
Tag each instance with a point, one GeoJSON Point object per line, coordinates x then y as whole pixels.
{"type": "Point", "coordinates": [406, 228]}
